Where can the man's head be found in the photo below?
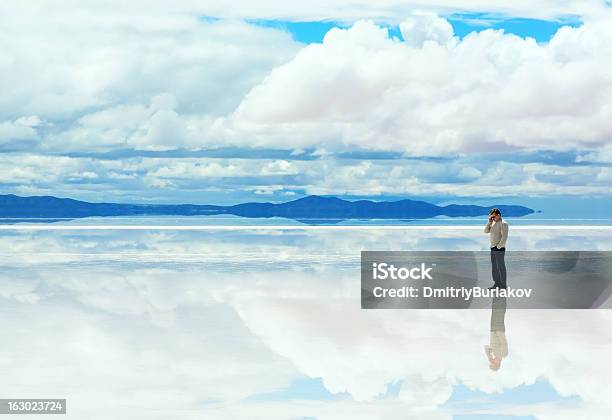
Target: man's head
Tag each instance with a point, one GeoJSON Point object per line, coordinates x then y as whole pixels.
{"type": "Point", "coordinates": [495, 214]}
{"type": "Point", "coordinates": [495, 364]}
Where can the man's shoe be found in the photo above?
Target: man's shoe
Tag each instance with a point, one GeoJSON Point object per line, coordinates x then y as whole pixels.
{"type": "Point", "coordinates": [492, 287]}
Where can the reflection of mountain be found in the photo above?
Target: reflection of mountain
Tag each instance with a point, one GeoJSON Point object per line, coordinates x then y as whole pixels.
{"type": "Point", "coordinates": [311, 207]}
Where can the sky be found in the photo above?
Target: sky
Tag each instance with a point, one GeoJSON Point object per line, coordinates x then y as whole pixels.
{"type": "Point", "coordinates": [266, 101]}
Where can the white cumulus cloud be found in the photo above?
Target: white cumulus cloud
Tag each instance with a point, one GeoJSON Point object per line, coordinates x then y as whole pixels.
{"type": "Point", "coordinates": [434, 94]}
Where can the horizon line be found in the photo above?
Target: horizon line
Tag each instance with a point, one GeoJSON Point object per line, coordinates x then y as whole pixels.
{"type": "Point", "coordinates": [290, 227]}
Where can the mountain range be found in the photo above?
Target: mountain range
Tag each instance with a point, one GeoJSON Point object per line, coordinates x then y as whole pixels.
{"type": "Point", "coordinates": [312, 207]}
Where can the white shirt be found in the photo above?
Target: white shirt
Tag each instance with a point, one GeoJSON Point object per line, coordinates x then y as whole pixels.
{"type": "Point", "coordinates": [498, 233]}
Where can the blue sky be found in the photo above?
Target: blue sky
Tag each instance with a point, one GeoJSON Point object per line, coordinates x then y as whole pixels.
{"type": "Point", "coordinates": [464, 403]}
{"type": "Point", "coordinates": [463, 24]}
{"type": "Point", "coordinates": [189, 103]}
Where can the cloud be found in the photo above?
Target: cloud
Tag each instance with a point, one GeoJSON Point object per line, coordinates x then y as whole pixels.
{"type": "Point", "coordinates": [118, 84]}
{"type": "Point", "coordinates": [147, 81]}
{"type": "Point", "coordinates": [23, 128]}
{"type": "Point", "coordinates": [602, 155]}
{"type": "Point", "coordinates": [426, 26]}
{"type": "Point", "coordinates": [360, 88]}
{"type": "Point", "coordinates": [434, 94]}
{"type": "Point", "coordinates": [345, 10]}
{"type": "Point", "coordinates": [203, 179]}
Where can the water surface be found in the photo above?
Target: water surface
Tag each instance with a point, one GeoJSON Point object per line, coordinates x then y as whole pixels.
{"type": "Point", "coordinates": [191, 324]}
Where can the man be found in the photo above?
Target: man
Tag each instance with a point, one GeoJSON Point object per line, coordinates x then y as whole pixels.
{"type": "Point", "coordinates": [497, 229]}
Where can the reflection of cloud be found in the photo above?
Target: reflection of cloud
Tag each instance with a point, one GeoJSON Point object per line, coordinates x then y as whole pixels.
{"type": "Point", "coordinates": [153, 336]}
{"type": "Point", "coordinates": [96, 336]}
{"type": "Point", "coordinates": [286, 247]}
{"type": "Point", "coordinates": [360, 352]}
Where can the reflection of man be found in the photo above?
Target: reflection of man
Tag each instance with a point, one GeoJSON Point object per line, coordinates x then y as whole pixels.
{"type": "Point", "coordinates": [498, 346]}
{"type": "Point", "coordinates": [497, 229]}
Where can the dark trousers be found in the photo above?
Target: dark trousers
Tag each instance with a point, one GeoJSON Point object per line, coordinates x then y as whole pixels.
{"type": "Point", "coordinates": [498, 314]}
{"type": "Point", "coordinates": [498, 267]}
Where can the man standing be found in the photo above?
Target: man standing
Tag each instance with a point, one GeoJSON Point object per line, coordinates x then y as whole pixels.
{"type": "Point", "coordinates": [497, 229]}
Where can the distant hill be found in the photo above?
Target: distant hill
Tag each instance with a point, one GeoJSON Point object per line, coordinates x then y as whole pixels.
{"type": "Point", "coordinates": [310, 207]}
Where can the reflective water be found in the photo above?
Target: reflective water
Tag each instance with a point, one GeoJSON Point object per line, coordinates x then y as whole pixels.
{"type": "Point", "coordinates": [224, 220]}
{"type": "Point", "coordinates": [152, 324]}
